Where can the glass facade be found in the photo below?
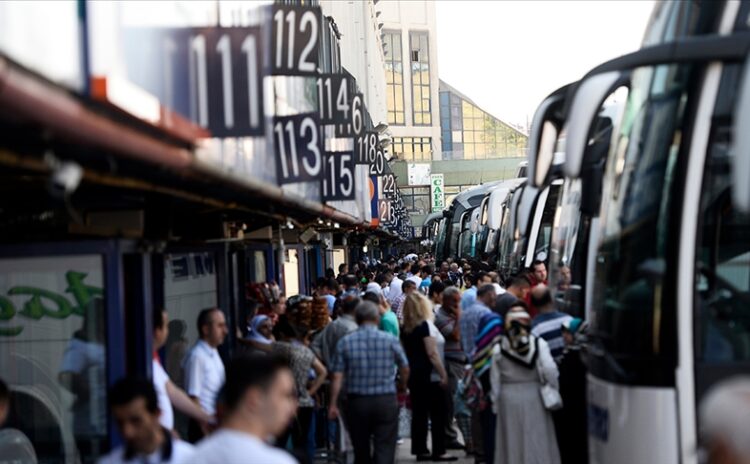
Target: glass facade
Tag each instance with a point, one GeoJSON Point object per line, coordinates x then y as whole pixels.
{"type": "Point", "coordinates": [412, 148]}
{"type": "Point", "coordinates": [394, 77]}
{"type": "Point", "coordinates": [469, 133]}
{"type": "Point", "coordinates": [420, 78]}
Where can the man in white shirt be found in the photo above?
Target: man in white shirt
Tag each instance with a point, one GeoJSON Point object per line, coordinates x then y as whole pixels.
{"type": "Point", "coordinates": [259, 401]}
{"type": "Point", "coordinates": [204, 369]}
{"type": "Point", "coordinates": [167, 392]}
{"type": "Point", "coordinates": [414, 277]}
{"type": "Point", "coordinates": [136, 412]}
{"type": "Point", "coordinates": [394, 287]}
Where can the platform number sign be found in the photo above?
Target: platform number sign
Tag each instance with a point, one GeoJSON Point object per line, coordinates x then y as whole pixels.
{"type": "Point", "coordinates": [298, 147]}
{"type": "Point", "coordinates": [355, 126]}
{"type": "Point", "coordinates": [338, 178]}
{"type": "Point", "coordinates": [389, 186]}
{"type": "Point", "coordinates": [295, 40]}
{"type": "Point", "coordinates": [226, 80]}
{"type": "Point", "coordinates": [334, 100]}
{"type": "Point", "coordinates": [387, 212]}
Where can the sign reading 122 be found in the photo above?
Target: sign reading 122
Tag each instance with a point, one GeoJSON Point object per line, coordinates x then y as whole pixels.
{"type": "Point", "coordinates": [298, 147]}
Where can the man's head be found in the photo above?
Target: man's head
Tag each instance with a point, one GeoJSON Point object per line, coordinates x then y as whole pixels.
{"type": "Point", "coordinates": [539, 269]}
{"type": "Point", "coordinates": [453, 267]}
{"type": "Point", "coordinates": [723, 417]}
{"type": "Point", "coordinates": [483, 279]}
{"type": "Point", "coordinates": [349, 303]}
{"type": "Point", "coordinates": [350, 281]}
{"type": "Point", "coordinates": [469, 280]}
{"type": "Point", "coordinates": [367, 313]}
{"type": "Point", "coordinates": [408, 286]}
{"type": "Point", "coordinates": [426, 271]}
{"type": "Point", "coordinates": [519, 287]}
{"type": "Point", "coordinates": [435, 292]}
{"type": "Point", "coordinates": [135, 410]}
{"type": "Point", "coordinates": [343, 268]}
{"type": "Point", "coordinates": [4, 402]}
{"type": "Point", "coordinates": [486, 294]}
{"type": "Point", "coordinates": [494, 277]}
{"type": "Point", "coordinates": [451, 299]}
{"type": "Point", "coordinates": [541, 298]}
{"type": "Point", "coordinates": [376, 299]}
{"type": "Point", "coordinates": [259, 395]}
{"type": "Point", "coordinates": [444, 267]}
{"type": "Point", "coordinates": [415, 268]}
{"type": "Point", "coordinates": [161, 327]}
{"type": "Point", "coordinates": [212, 326]}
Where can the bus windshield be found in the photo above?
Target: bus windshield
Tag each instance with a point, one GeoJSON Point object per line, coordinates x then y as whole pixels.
{"type": "Point", "coordinates": [638, 216]}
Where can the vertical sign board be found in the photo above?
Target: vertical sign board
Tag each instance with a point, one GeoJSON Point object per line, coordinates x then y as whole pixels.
{"type": "Point", "coordinates": [437, 192]}
{"type": "Point", "coordinates": [298, 147]}
{"type": "Point", "coordinates": [334, 102]}
{"type": "Point", "coordinates": [374, 200]}
{"type": "Point", "coordinates": [295, 40]}
{"type": "Point", "coordinates": [338, 178]}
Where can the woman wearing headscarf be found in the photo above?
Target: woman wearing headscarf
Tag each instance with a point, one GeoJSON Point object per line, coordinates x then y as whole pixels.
{"type": "Point", "coordinates": [570, 421]}
{"type": "Point", "coordinates": [428, 379]}
{"type": "Point", "coordinates": [525, 432]}
{"type": "Point", "coordinates": [260, 330]}
{"type": "Point", "coordinates": [488, 337]}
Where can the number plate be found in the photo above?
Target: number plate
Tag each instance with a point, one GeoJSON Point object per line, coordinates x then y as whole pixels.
{"type": "Point", "coordinates": [295, 40]}
{"type": "Point", "coordinates": [338, 180]}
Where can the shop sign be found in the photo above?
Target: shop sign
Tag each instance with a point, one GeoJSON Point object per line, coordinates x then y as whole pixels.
{"type": "Point", "coordinates": [437, 192]}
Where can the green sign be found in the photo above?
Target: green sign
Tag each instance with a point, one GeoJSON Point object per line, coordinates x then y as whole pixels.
{"type": "Point", "coordinates": [437, 192]}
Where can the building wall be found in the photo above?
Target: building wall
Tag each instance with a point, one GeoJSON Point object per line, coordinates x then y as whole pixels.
{"type": "Point", "coordinates": [404, 17]}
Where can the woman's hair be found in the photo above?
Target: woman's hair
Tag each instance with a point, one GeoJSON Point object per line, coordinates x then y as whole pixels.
{"type": "Point", "coordinates": [417, 309]}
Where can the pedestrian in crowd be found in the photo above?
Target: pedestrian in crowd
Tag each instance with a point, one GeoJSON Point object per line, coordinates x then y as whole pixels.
{"type": "Point", "coordinates": [548, 323]}
{"type": "Point", "coordinates": [454, 275]}
{"type": "Point", "coordinates": [343, 271]}
{"type": "Point", "coordinates": [470, 317]}
{"type": "Point", "coordinates": [723, 415]}
{"type": "Point", "coordinates": [259, 401]}
{"type": "Point", "coordinates": [537, 275]}
{"type": "Point", "coordinates": [260, 332]}
{"type": "Point", "coordinates": [483, 418]}
{"type": "Point", "coordinates": [428, 379]}
{"type": "Point", "coordinates": [4, 402]}
{"type": "Point", "coordinates": [469, 295]}
{"type": "Point", "coordinates": [365, 366]}
{"type": "Point", "coordinates": [325, 342]}
{"type": "Point", "coordinates": [168, 394]}
{"type": "Point", "coordinates": [383, 282]}
{"type": "Point", "coordinates": [518, 289]}
{"type": "Point", "coordinates": [351, 284]}
{"type": "Point", "coordinates": [495, 280]}
{"type": "Point", "coordinates": [415, 274]}
{"type": "Point", "coordinates": [447, 319]}
{"type": "Point", "coordinates": [204, 369]}
{"type": "Point", "coordinates": [290, 345]}
{"type": "Point", "coordinates": [328, 290]}
{"type": "Point", "coordinates": [426, 275]}
{"type": "Point", "coordinates": [407, 288]}
{"type": "Point", "coordinates": [135, 410]}
{"type": "Point", "coordinates": [388, 320]}
{"type": "Point", "coordinates": [435, 294]}
{"type": "Point", "coordinates": [525, 433]}
{"type": "Point", "coordinates": [571, 420]}
{"type": "Point", "coordinates": [394, 287]}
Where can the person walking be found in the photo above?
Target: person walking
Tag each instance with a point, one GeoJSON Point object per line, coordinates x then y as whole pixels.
{"type": "Point", "coordinates": [259, 401]}
{"type": "Point", "coordinates": [518, 289]}
{"type": "Point", "coordinates": [289, 345]}
{"type": "Point", "coordinates": [325, 342]}
{"type": "Point", "coordinates": [407, 288]}
{"type": "Point", "coordinates": [167, 393]}
{"type": "Point", "coordinates": [428, 382]}
{"type": "Point", "coordinates": [135, 410]}
{"type": "Point", "coordinates": [365, 365]}
{"type": "Point", "coordinates": [204, 369]}
{"type": "Point", "coordinates": [388, 320]}
{"type": "Point", "coordinates": [571, 421]}
{"type": "Point", "coordinates": [470, 317]}
{"type": "Point", "coordinates": [447, 319]}
{"type": "Point", "coordinates": [524, 433]}
{"type": "Point", "coordinates": [548, 323]}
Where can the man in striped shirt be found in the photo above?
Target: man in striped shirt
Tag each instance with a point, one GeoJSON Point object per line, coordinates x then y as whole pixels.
{"type": "Point", "coordinates": [548, 323]}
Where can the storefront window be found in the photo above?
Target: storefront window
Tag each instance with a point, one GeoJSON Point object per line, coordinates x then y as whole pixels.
{"type": "Point", "coordinates": [53, 354]}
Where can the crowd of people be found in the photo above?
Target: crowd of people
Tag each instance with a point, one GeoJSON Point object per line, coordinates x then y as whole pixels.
{"type": "Point", "coordinates": [488, 368]}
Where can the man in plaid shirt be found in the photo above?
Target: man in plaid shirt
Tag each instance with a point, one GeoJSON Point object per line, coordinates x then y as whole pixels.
{"type": "Point", "coordinates": [365, 364]}
{"type": "Point", "coordinates": [407, 288]}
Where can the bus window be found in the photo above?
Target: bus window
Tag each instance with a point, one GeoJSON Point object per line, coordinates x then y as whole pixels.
{"type": "Point", "coordinates": [541, 248]}
{"type": "Point", "coordinates": [632, 290]}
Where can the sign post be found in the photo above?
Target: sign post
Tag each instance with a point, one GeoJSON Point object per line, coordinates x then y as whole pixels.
{"type": "Point", "coordinates": [437, 193]}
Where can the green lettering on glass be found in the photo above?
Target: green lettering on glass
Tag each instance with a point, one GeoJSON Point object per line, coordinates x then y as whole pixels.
{"type": "Point", "coordinates": [80, 291]}
{"type": "Point", "coordinates": [35, 308]}
{"type": "Point", "coordinates": [7, 312]}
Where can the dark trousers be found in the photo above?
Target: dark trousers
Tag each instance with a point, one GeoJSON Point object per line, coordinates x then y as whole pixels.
{"type": "Point", "coordinates": [488, 419]}
{"type": "Point", "coordinates": [299, 430]}
{"type": "Point", "coordinates": [372, 417]}
{"type": "Point", "coordinates": [428, 402]}
{"type": "Point", "coordinates": [195, 431]}
{"type": "Point", "coordinates": [455, 373]}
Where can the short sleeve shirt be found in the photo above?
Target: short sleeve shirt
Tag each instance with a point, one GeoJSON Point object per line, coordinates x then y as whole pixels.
{"type": "Point", "coordinates": [160, 379]}
{"type": "Point", "coordinates": [204, 375]}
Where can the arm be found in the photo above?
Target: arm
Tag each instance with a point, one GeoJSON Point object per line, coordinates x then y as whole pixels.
{"type": "Point", "coordinates": [183, 403]}
{"type": "Point", "coordinates": [547, 365]}
{"type": "Point", "coordinates": [455, 335]}
{"type": "Point", "coordinates": [430, 346]}
{"type": "Point", "coordinates": [336, 381]}
{"type": "Point", "coordinates": [320, 376]}
{"type": "Point", "coordinates": [403, 375]}
{"type": "Point", "coordinates": [495, 381]}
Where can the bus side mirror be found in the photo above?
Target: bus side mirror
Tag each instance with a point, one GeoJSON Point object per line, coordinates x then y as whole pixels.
{"type": "Point", "coordinates": [526, 209]}
{"type": "Point", "coordinates": [545, 130]}
{"type": "Point", "coordinates": [587, 101]}
{"type": "Point", "coordinates": [741, 146]}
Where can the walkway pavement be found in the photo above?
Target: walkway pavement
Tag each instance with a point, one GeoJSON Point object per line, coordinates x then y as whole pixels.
{"type": "Point", "coordinates": [403, 454]}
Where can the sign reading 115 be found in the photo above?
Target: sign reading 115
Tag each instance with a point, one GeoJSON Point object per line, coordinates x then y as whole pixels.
{"type": "Point", "coordinates": [338, 182]}
{"type": "Point", "coordinates": [226, 80]}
